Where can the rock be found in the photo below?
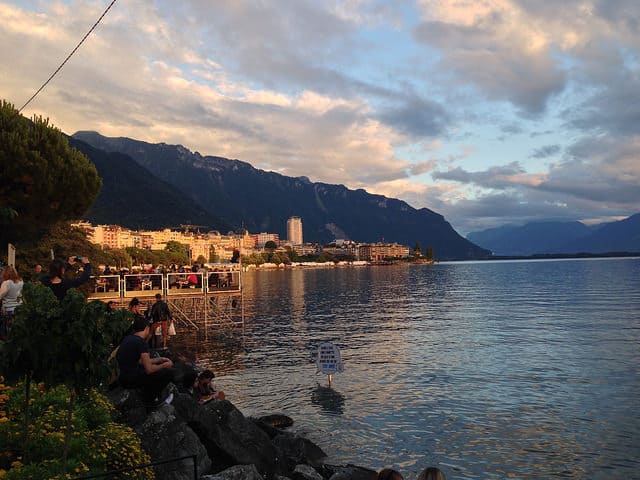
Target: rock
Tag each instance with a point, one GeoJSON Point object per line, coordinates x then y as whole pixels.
{"type": "Point", "coordinates": [129, 406]}
{"type": "Point", "coordinates": [229, 437]}
{"type": "Point", "coordinates": [237, 472]}
{"type": "Point", "coordinates": [164, 436]}
{"type": "Point", "coordinates": [351, 472]}
{"type": "Point", "coordinates": [296, 450]}
{"type": "Point", "coordinates": [305, 472]}
{"type": "Point", "coordinates": [277, 420]}
{"type": "Point", "coordinates": [272, 432]}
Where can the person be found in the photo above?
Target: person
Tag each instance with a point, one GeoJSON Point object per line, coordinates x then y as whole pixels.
{"type": "Point", "coordinates": [204, 389]}
{"type": "Point", "coordinates": [389, 474]}
{"type": "Point", "coordinates": [61, 285]}
{"type": "Point", "coordinates": [37, 274]}
{"type": "Point", "coordinates": [138, 369]}
{"type": "Point", "coordinates": [11, 297]}
{"type": "Point", "coordinates": [162, 319]}
{"type": "Point", "coordinates": [431, 473]}
{"type": "Point", "coordinates": [135, 307]}
{"type": "Point", "coordinates": [111, 306]}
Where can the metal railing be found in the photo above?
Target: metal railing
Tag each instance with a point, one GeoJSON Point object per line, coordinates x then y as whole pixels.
{"type": "Point", "coordinates": [225, 278]}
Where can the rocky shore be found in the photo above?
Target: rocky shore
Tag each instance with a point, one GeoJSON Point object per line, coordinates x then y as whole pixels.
{"type": "Point", "coordinates": [226, 444]}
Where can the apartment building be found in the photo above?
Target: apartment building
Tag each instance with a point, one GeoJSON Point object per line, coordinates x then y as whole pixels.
{"type": "Point", "coordinates": [375, 252]}
{"type": "Point", "coordinates": [294, 230]}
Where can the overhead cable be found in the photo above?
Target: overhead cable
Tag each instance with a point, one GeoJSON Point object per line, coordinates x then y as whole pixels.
{"type": "Point", "coordinates": [68, 56]}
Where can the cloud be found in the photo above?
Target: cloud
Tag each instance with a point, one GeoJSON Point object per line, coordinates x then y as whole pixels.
{"type": "Point", "coordinates": [546, 151]}
{"type": "Point", "coordinates": [498, 177]}
{"type": "Point", "coordinates": [417, 118]}
{"type": "Point", "coordinates": [370, 94]}
{"type": "Point", "coordinates": [495, 47]}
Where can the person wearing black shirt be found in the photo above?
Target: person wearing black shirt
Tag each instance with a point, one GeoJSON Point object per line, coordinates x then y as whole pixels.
{"type": "Point", "coordinates": [138, 369]}
{"type": "Point", "coordinates": [60, 285]}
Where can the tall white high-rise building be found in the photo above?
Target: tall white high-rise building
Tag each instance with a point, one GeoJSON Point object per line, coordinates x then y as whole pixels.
{"type": "Point", "coordinates": [294, 230]}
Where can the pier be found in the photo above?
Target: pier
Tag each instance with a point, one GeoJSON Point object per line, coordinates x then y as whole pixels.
{"type": "Point", "coordinates": [196, 299]}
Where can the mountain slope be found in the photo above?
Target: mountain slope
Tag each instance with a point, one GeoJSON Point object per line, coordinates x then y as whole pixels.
{"type": "Point", "coordinates": [529, 239]}
{"type": "Point", "coordinates": [134, 198]}
{"type": "Point", "coordinates": [561, 237]}
{"type": "Point", "coordinates": [620, 236]}
{"type": "Point", "coordinates": [263, 201]}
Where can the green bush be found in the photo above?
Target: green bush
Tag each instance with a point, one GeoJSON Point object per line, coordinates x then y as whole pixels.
{"type": "Point", "coordinates": [97, 443]}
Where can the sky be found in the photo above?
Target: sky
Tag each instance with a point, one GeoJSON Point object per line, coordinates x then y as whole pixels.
{"type": "Point", "coordinates": [489, 112]}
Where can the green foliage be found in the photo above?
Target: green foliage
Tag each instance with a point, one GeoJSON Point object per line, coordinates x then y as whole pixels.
{"type": "Point", "coordinates": [270, 245]}
{"type": "Point", "coordinates": [178, 251]}
{"type": "Point", "coordinates": [65, 241]}
{"type": "Point", "coordinates": [61, 342]}
{"type": "Point", "coordinates": [97, 443]}
{"type": "Point", "coordinates": [429, 253]}
{"type": "Point", "coordinates": [42, 179]}
{"type": "Point", "coordinates": [213, 256]}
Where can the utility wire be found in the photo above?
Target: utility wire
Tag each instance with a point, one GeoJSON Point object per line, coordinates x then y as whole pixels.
{"type": "Point", "coordinates": [68, 56]}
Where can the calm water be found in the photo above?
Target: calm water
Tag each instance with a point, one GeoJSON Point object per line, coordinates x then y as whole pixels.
{"type": "Point", "coordinates": [526, 369]}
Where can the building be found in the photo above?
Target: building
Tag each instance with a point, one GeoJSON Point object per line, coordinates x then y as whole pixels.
{"type": "Point", "coordinates": [294, 230]}
{"type": "Point", "coordinates": [376, 252]}
{"type": "Point", "coordinates": [260, 239]}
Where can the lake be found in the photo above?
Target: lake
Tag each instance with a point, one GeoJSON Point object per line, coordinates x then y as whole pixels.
{"type": "Point", "coordinates": [499, 369]}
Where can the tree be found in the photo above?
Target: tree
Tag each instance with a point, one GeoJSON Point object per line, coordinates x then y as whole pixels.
{"type": "Point", "coordinates": [270, 246]}
{"type": "Point", "coordinates": [200, 260]}
{"type": "Point", "coordinates": [213, 256]}
{"type": "Point", "coordinates": [292, 254]}
{"type": "Point", "coordinates": [430, 253]}
{"type": "Point", "coordinates": [42, 179]}
{"type": "Point", "coordinates": [178, 251]}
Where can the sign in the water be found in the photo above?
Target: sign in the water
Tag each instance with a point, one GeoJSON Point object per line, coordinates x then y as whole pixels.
{"type": "Point", "coordinates": [328, 359]}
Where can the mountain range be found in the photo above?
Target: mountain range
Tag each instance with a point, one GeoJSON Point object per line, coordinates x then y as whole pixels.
{"type": "Point", "coordinates": [542, 238]}
{"type": "Point", "coordinates": [158, 185]}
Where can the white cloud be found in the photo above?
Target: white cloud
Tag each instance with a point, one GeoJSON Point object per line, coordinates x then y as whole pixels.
{"type": "Point", "coordinates": [297, 88]}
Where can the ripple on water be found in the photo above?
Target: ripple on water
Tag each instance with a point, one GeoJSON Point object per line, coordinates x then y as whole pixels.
{"type": "Point", "coordinates": [489, 370]}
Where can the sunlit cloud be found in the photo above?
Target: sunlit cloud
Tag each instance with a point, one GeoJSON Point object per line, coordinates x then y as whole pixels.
{"type": "Point", "coordinates": [453, 106]}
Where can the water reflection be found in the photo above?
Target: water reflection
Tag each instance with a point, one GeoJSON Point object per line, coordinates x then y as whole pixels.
{"type": "Point", "coordinates": [330, 400]}
{"type": "Point", "coordinates": [490, 370]}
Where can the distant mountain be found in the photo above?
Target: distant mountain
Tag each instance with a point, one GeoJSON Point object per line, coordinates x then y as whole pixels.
{"type": "Point", "coordinates": [621, 236]}
{"type": "Point", "coordinates": [261, 201]}
{"type": "Point", "coordinates": [133, 197]}
{"type": "Point", "coordinates": [560, 237]}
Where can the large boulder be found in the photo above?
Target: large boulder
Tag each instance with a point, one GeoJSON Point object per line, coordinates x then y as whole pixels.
{"type": "Point", "coordinates": [165, 436]}
{"type": "Point", "coordinates": [237, 472]}
{"type": "Point", "coordinates": [130, 408]}
{"type": "Point", "coordinates": [298, 450]}
{"type": "Point", "coordinates": [229, 437]}
{"type": "Point", "coordinates": [348, 472]}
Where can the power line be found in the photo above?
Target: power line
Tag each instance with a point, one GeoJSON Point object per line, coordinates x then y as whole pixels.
{"type": "Point", "coordinates": [68, 56]}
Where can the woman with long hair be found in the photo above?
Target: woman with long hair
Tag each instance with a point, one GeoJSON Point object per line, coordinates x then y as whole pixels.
{"type": "Point", "coordinates": [11, 297]}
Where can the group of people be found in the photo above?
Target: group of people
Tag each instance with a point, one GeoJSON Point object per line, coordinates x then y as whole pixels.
{"type": "Point", "coordinates": [429, 473]}
{"type": "Point", "coordinates": [151, 375]}
{"type": "Point", "coordinates": [12, 284]}
{"type": "Point", "coordinates": [159, 317]}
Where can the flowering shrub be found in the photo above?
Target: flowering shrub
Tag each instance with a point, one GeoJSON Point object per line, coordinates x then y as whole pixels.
{"type": "Point", "coordinates": [97, 443]}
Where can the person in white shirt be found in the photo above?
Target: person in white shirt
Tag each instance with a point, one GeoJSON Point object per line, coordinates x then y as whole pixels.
{"type": "Point", "coordinates": [11, 297]}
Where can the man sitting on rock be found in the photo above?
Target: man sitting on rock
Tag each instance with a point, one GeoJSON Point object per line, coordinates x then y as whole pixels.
{"type": "Point", "coordinates": [138, 369]}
